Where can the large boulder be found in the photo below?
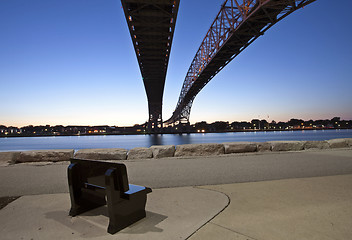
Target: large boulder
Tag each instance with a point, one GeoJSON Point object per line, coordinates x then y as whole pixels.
{"type": "Point", "coordinates": [263, 146]}
{"type": "Point", "coordinates": [240, 147]}
{"type": "Point", "coordinates": [338, 143]}
{"type": "Point", "coordinates": [163, 151]}
{"type": "Point", "coordinates": [316, 145]}
{"type": "Point", "coordinates": [7, 158]}
{"type": "Point", "coordinates": [349, 141]}
{"type": "Point", "coordinates": [287, 145]}
{"type": "Point", "coordinates": [44, 156]}
{"type": "Point", "coordinates": [140, 153]}
{"type": "Point", "coordinates": [102, 154]}
{"type": "Point", "coordinates": [204, 149]}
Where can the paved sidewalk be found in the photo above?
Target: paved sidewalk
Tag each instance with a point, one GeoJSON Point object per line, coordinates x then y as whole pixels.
{"type": "Point", "coordinates": [171, 214]}
{"type": "Point", "coordinates": [36, 178]}
{"type": "Point", "coordinates": [313, 199]}
{"type": "Point", "coordinates": [299, 209]}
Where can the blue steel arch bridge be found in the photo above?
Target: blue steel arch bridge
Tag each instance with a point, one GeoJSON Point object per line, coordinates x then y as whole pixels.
{"type": "Point", "coordinates": [152, 23]}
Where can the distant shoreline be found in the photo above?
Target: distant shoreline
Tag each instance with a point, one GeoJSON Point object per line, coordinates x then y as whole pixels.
{"type": "Point", "coordinates": [176, 133]}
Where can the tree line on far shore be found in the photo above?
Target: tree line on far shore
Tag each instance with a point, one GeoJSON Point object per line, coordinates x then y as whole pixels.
{"type": "Point", "coordinates": [218, 126]}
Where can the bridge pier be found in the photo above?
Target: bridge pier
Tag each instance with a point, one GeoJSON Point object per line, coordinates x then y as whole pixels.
{"type": "Point", "coordinates": [155, 127]}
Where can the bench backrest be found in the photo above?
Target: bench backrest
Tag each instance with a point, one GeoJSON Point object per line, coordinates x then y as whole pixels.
{"type": "Point", "coordinates": [93, 172]}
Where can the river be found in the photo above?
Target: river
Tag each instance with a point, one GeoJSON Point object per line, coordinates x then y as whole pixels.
{"type": "Point", "coordinates": [132, 141]}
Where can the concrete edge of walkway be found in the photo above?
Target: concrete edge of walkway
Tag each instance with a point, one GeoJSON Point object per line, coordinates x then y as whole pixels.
{"type": "Point", "coordinates": [44, 163]}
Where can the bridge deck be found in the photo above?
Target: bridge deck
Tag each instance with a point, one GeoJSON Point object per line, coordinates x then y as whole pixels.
{"type": "Point", "coordinates": [151, 24]}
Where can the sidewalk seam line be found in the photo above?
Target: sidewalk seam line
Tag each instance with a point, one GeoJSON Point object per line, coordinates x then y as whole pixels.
{"type": "Point", "coordinates": [234, 231]}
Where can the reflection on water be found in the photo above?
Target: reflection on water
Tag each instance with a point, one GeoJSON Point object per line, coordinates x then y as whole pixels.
{"type": "Point", "coordinates": [156, 139]}
{"type": "Point", "coordinates": [171, 139]}
{"type": "Point", "coordinates": [184, 139]}
{"type": "Point", "coordinates": [131, 141]}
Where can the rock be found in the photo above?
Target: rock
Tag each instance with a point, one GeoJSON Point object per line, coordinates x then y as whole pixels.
{"type": "Point", "coordinates": [349, 141]}
{"type": "Point", "coordinates": [287, 145]}
{"type": "Point", "coordinates": [140, 153]}
{"type": "Point", "coordinates": [102, 154]}
{"type": "Point", "coordinates": [263, 146]}
{"type": "Point", "coordinates": [162, 151]}
{"type": "Point", "coordinates": [199, 149]}
{"type": "Point", "coordinates": [44, 156]}
{"type": "Point", "coordinates": [240, 147]}
{"type": "Point", "coordinates": [7, 158]}
{"type": "Point", "coordinates": [338, 143]}
{"type": "Point", "coordinates": [316, 144]}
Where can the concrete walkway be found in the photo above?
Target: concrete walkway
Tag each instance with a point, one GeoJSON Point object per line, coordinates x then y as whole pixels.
{"type": "Point", "coordinates": [299, 209]}
{"type": "Point", "coordinates": [308, 208]}
{"type": "Point", "coordinates": [36, 178]}
{"type": "Point", "coordinates": [306, 203]}
{"type": "Point", "coordinates": [173, 213]}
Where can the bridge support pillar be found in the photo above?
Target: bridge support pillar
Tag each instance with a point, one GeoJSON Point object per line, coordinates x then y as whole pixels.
{"type": "Point", "coordinates": [155, 121]}
{"type": "Point", "coordinates": [155, 127]}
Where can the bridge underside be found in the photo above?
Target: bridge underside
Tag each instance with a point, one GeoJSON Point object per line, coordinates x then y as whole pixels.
{"type": "Point", "coordinates": [151, 24]}
{"type": "Point", "coordinates": [238, 24]}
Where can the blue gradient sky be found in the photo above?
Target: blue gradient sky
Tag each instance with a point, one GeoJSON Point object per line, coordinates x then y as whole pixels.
{"type": "Point", "coordinates": [72, 63]}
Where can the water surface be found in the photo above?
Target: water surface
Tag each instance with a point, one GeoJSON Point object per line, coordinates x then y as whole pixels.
{"type": "Point", "coordinates": [131, 141]}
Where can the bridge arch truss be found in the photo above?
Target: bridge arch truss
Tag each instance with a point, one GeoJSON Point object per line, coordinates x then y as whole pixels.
{"type": "Point", "coordinates": [237, 25]}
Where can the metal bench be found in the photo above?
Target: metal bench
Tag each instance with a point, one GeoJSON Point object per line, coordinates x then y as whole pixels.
{"type": "Point", "coordinates": [95, 183]}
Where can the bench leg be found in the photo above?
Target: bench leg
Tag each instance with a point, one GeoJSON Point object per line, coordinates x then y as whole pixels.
{"type": "Point", "coordinates": [122, 213]}
{"type": "Point", "coordinates": [81, 201]}
{"type": "Point", "coordinates": [74, 187]}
